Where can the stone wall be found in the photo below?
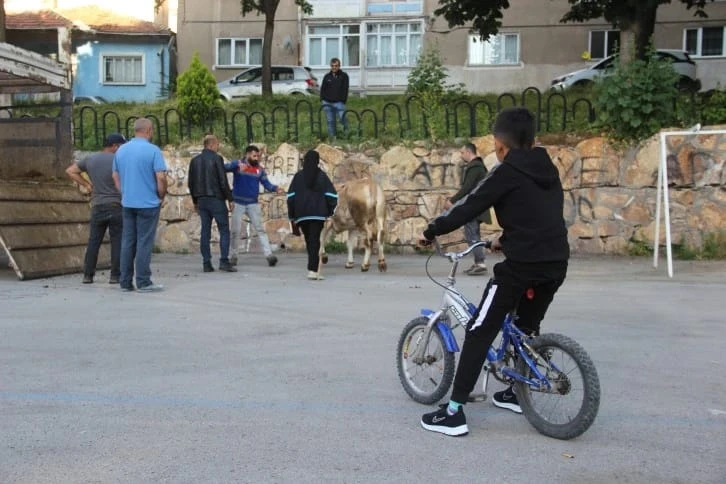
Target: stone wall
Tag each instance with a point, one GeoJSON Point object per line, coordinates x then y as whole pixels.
{"type": "Point", "coordinates": [610, 195]}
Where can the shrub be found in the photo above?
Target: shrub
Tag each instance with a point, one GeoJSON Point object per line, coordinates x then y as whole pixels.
{"type": "Point", "coordinates": [638, 99]}
{"type": "Point", "coordinates": [197, 91]}
{"type": "Point", "coordinates": [714, 107]}
{"type": "Point", "coordinates": [427, 81]}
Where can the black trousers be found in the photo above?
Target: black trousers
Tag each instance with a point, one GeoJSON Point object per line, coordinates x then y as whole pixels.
{"type": "Point", "coordinates": [502, 294]}
{"type": "Point", "coordinates": [105, 216]}
{"type": "Point", "coordinates": [312, 229]}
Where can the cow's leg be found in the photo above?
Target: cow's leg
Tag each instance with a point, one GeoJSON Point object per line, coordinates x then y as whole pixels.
{"type": "Point", "coordinates": [351, 242]}
{"type": "Point", "coordinates": [381, 256]}
{"type": "Point", "coordinates": [367, 254]}
{"type": "Point", "coordinates": [323, 240]}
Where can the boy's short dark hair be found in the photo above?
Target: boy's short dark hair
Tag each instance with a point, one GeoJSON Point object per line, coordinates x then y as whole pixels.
{"type": "Point", "coordinates": [471, 148]}
{"type": "Point", "coordinates": [251, 149]}
{"type": "Point", "coordinates": [515, 127]}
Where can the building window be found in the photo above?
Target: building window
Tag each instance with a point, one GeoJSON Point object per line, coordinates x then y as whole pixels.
{"type": "Point", "coordinates": [123, 69]}
{"type": "Point", "coordinates": [500, 49]}
{"type": "Point", "coordinates": [389, 44]}
{"type": "Point", "coordinates": [328, 41]}
{"type": "Point", "coordinates": [395, 7]}
{"type": "Point", "coordinates": [239, 52]}
{"type": "Point", "coordinates": [705, 41]}
{"type": "Point", "coordinates": [604, 43]}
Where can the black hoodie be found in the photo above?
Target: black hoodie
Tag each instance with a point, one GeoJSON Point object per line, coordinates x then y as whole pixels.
{"type": "Point", "coordinates": [527, 197]}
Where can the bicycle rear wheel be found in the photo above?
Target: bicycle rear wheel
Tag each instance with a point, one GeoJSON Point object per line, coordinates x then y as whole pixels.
{"type": "Point", "coordinates": [429, 380]}
{"type": "Point", "coordinates": [568, 409]}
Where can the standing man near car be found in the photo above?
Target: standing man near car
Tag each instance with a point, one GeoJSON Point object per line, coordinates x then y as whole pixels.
{"type": "Point", "coordinates": [105, 206]}
{"type": "Point", "coordinates": [212, 197]}
{"type": "Point", "coordinates": [139, 171]}
{"type": "Point", "coordinates": [474, 172]}
{"type": "Point", "coordinates": [334, 95]}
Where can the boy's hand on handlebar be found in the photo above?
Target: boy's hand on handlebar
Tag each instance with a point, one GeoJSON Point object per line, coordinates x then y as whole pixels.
{"type": "Point", "coordinates": [496, 246]}
{"type": "Point", "coordinates": [423, 242]}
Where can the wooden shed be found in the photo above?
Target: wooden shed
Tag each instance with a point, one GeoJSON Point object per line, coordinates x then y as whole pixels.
{"type": "Point", "coordinates": [43, 217]}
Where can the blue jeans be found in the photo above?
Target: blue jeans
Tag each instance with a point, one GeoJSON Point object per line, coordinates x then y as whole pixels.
{"type": "Point", "coordinates": [213, 208]}
{"type": "Point", "coordinates": [137, 243]}
{"type": "Point", "coordinates": [331, 111]}
{"type": "Point", "coordinates": [102, 217]}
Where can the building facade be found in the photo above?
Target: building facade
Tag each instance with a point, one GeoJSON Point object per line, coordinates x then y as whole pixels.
{"type": "Point", "coordinates": [378, 41]}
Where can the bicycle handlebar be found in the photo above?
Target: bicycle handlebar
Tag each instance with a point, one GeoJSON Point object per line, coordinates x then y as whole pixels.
{"type": "Point", "coordinates": [454, 256]}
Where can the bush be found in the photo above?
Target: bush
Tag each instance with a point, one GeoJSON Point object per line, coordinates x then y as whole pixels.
{"type": "Point", "coordinates": [638, 100]}
{"type": "Point", "coordinates": [197, 91]}
{"type": "Point", "coordinates": [714, 107]}
{"type": "Point", "coordinates": [427, 81]}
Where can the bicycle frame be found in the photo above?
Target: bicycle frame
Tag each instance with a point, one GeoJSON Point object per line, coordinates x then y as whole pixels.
{"type": "Point", "coordinates": [454, 304]}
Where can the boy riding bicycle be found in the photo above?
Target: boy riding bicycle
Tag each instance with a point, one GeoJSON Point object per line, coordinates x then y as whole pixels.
{"type": "Point", "coordinates": [527, 197]}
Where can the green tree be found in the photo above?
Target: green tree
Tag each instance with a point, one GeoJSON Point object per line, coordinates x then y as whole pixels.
{"type": "Point", "coordinates": [268, 8]}
{"type": "Point", "coordinates": [197, 91]}
{"type": "Point", "coordinates": [427, 81]}
{"type": "Point", "coordinates": [634, 16]}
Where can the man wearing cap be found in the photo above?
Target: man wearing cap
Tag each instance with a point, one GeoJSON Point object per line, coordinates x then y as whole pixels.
{"type": "Point", "coordinates": [105, 205]}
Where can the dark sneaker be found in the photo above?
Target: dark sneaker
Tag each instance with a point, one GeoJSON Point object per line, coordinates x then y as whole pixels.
{"type": "Point", "coordinates": [127, 288]}
{"type": "Point", "coordinates": [227, 267]}
{"type": "Point", "coordinates": [271, 260]}
{"type": "Point", "coordinates": [113, 280]}
{"type": "Point", "coordinates": [440, 421]}
{"type": "Point", "coordinates": [151, 288]}
{"type": "Point", "coordinates": [477, 270]}
{"type": "Point", "coordinates": [507, 399]}
{"type": "Point", "coordinates": [87, 279]}
{"type": "Point", "coordinates": [233, 260]}
{"type": "Point", "coordinates": [208, 268]}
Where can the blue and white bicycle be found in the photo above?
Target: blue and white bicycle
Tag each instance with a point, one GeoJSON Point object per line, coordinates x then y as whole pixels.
{"type": "Point", "coordinates": [555, 380]}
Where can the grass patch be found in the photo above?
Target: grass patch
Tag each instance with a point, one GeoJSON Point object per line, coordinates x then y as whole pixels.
{"type": "Point", "coordinates": [713, 248]}
{"type": "Point", "coordinates": [638, 248]}
{"type": "Point", "coordinates": [336, 247]}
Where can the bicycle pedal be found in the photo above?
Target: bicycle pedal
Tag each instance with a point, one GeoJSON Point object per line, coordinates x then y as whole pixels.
{"type": "Point", "coordinates": [477, 397]}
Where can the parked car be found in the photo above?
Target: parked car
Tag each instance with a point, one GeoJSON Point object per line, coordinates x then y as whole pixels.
{"type": "Point", "coordinates": [89, 100]}
{"type": "Point", "coordinates": [681, 61]}
{"type": "Point", "coordinates": [285, 80]}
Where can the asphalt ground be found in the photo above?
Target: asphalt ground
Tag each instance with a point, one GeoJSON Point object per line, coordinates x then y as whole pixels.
{"type": "Point", "coordinates": [264, 376]}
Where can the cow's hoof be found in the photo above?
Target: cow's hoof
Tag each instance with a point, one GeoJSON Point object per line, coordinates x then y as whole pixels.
{"type": "Point", "coordinates": [382, 266]}
{"type": "Point", "coordinates": [349, 265]}
{"type": "Point", "coordinates": [324, 259]}
{"type": "Point", "coordinates": [365, 267]}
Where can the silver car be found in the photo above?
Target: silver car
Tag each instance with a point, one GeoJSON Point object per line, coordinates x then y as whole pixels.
{"type": "Point", "coordinates": [680, 60]}
{"type": "Point", "coordinates": [285, 80]}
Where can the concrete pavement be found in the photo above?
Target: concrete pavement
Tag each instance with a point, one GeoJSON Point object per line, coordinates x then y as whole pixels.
{"type": "Point", "coordinates": [264, 376]}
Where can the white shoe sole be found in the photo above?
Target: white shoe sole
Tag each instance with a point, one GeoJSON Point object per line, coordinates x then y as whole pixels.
{"type": "Point", "coordinates": [509, 406]}
{"type": "Point", "coordinates": [451, 431]}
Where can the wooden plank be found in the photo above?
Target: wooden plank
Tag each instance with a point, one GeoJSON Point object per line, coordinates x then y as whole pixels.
{"type": "Point", "coordinates": [36, 263]}
{"type": "Point", "coordinates": [19, 237]}
{"type": "Point", "coordinates": [23, 63]}
{"type": "Point", "coordinates": [15, 213]}
{"type": "Point", "coordinates": [32, 191]}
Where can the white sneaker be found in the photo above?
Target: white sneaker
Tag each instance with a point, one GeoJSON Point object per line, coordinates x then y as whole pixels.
{"type": "Point", "coordinates": [315, 276]}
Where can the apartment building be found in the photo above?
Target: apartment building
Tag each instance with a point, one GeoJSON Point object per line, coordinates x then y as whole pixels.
{"type": "Point", "coordinates": [378, 41]}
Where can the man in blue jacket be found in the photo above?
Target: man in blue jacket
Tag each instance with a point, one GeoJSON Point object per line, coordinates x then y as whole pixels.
{"type": "Point", "coordinates": [248, 176]}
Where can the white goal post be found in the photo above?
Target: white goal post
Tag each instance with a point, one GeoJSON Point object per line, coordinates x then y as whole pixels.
{"type": "Point", "coordinates": [662, 192]}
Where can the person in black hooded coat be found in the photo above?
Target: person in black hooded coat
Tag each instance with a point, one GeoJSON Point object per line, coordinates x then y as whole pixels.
{"type": "Point", "coordinates": [311, 199]}
{"type": "Point", "coordinates": [527, 196]}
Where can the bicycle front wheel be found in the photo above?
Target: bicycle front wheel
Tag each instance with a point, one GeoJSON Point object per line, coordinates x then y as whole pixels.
{"type": "Point", "coordinates": [567, 409]}
{"type": "Point", "coordinates": [426, 381]}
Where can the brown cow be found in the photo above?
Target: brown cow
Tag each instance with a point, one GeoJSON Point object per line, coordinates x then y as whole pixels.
{"type": "Point", "coordinates": [361, 208]}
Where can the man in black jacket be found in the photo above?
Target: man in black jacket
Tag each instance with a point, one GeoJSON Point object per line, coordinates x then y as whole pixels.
{"type": "Point", "coordinates": [527, 197]}
{"type": "Point", "coordinates": [474, 172]}
{"type": "Point", "coordinates": [334, 95]}
{"type": "Point", "coordinates": [209, 189]}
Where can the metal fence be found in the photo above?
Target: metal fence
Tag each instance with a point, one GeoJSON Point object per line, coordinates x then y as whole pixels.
{"type": "Point", "coordinates": [306, 118]}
